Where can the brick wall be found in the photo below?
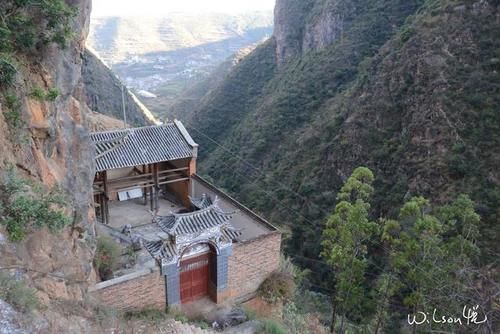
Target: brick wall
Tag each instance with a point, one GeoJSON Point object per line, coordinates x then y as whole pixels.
{"type": "Point", "coordinates": [251, 262]}
{"type": "Point", "coordinates": [136, 291]}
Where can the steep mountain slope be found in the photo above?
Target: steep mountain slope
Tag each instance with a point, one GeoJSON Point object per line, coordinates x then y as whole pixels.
{"type": "Point", "coordinates": [408, 88]}
{"type": "Point", "coordinates": [103, 92]}
{"type": "Point", "coordinates": [182, 106]}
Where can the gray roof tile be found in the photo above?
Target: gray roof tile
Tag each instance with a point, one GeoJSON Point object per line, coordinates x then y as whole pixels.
{"type": "Point", "coordinates": [139, 146]}
{"type": "Point", "coordinates": [194, 222]}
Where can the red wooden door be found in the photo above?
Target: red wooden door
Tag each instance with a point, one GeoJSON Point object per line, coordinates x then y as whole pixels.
{"type": "Point", "coordinates": [194, 278]}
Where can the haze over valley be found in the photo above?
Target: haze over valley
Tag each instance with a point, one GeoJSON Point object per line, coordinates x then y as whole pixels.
{"type": "Point", "coordinates": [160, 57]}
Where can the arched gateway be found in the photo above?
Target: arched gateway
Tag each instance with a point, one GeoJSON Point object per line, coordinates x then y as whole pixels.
{"type": "Point", "coordinates": [193, 251]}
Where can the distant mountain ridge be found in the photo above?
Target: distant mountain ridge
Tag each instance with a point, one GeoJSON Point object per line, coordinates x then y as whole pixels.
{"type": "Point", "coordinates": [117, 38]}
{"type": "Point", "coordinates": [166, 56]}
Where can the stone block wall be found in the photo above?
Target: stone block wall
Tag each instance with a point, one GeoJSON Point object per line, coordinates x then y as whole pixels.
{"type": "Point", "coordinates": [250, 263]}
{"type": "Point", "coordinates": [136, 291]}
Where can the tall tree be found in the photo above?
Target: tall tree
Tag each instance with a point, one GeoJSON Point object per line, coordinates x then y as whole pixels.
{"type": "Point", "coordinates": [345, 238]}
{"type": "Point", "coordinates": [432, 253]}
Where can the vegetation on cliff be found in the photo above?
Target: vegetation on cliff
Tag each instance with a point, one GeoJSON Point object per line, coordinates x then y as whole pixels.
{"type": "Point", "coordinates": [25, 206]}
{"type": "Point", "coordinates": [26, 26]}
{"type": "Point", "coordinates": [383, 269]}
{"type": "Point", "coordinates": [407, 88]}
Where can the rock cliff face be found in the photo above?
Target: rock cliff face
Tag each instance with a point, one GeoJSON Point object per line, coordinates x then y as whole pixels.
{"type": "Point", "coordinates": [289, 21]}
{"type": "Point", "coordinates": [302, 26]}
{"type": "Point", "coordinates": [53, 148]}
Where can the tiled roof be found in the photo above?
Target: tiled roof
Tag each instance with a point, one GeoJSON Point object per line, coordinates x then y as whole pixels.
{"type": "Point", "coordinates": [191, 223]}
{"type": "Point", "coordinates": [140, 146]}
{"type": "Point", "coordinates": [165, 249]}
{"type": "Point", "coordinates": [201, 203]}
{"type": "Point", "coordinates": [231, 234]}
{"type": "Point", "coordinates": [161, 249]}
{"type": "Point", "coordinates": [194, 222]}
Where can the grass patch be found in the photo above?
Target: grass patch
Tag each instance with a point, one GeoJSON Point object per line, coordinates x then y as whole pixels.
{"type": "Point", "coordinates": [51, 95]}
{"type": "Point", "coordinates": [147, 314]}
{"type": "Point", "coordinates": [18, 294]}
{"type": "Point", "coordinates": [279, 286]}
{"type": "Point", "coordinates": [268, 326]}
{"type": "Point", "coordinates": [40, 95]}
{"type": "Point", "coordinates": [181, 318]}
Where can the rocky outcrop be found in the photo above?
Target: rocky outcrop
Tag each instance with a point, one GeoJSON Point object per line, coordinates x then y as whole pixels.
{"type": "Point", "coordinates": [289, 21]}
{"type": "Point", "coordinates": [302, 26]}
{"type": "Point", "coordinates": [53, 148]}
{"type": "Point", "coordinates": [103, 93]}
{"type": "Point", "coordinates": [327, 26]}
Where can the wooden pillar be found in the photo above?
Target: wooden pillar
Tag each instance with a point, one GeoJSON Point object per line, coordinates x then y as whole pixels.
{"type": "Point", "coordinates": [157, 187]}
{"type": "Point", "coordinates": [101, 206]}
{"type": "Point", "coordinates": [144, 189]}
{"type": "Point", "coordinates": [106, 197]}
{"type": "Point", "coordinates": [151, 199]}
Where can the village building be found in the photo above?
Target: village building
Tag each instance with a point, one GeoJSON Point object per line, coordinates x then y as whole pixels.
{"type": "Point", "coordinates": [192, 239]}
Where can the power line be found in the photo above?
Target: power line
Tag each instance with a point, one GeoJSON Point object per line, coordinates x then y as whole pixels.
{"type": "Point", "coordinates": [259, 171]}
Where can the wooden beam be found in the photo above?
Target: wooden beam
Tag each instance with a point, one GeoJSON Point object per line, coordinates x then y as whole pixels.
{"type": "Point", "coordinates": [173, 170]}
{"type": "Point", "coordinates": [176, 180]}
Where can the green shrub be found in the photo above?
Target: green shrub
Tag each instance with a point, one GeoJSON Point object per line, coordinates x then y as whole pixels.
{"type": "Point", "coordinates": [269, 326]}
{"type": "Point", "coordinates": [17, 293]}
{"type": "Point", "coordinates": [24, 206]}
{"type": "Point", "coordinates": [51, 95]}
{"type": "Point", "coordinates": [12, 115]}
{"type": "Point", "coordinates": [182, 318]}
{"type": "Point", "coordinates": [8, 71]}
{"type": "Point", "coordinates": [13, 119]}
{"type": "Point", "coordinates": [38, 94]}
{"type": "Point", "coordinates": [279, 286]}
{"type": "Point", "coordinates": [12, 112]}
{"type": "Point", "coordinates": [106, 257]}
{"type": "Point", "coordinates": [202, 324]}
{"type": "Point", "coordinates": [34, 23]}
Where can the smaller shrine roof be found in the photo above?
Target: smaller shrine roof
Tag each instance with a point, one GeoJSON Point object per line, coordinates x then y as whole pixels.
{"type": "Point", "coordinates": [194, 222]}
{"type": "Point", "coordinates": [203, 202]}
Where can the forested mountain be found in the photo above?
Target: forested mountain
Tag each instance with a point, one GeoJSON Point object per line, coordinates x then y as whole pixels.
{"type": "Point", "coordinates": [410, 89]}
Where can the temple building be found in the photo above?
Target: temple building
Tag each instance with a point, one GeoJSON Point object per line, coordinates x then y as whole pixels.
{"type": "Point", "coordinates": [201, 242]}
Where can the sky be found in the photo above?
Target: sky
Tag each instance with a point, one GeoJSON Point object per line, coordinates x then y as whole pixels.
{"type": "Point", "coordinates": [164, 7]}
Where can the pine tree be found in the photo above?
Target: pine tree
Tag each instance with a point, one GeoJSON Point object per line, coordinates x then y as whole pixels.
{"type": "Point", "coordinates": [345, 238]}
